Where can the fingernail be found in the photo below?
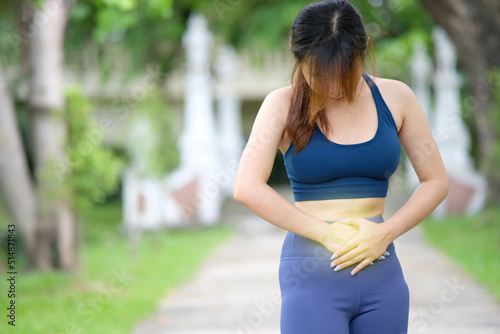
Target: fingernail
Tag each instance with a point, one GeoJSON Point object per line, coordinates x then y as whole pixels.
{"type": "Point", "coordinates": [382, 257]}
{"type": "Point", "coordinates": [386, 253]}
{"type": "Point", "coordinates": [353, 273]}
{"type": "Point", "coordinates": [337, 268]}
{"type": "Point", "coordinates": [332, 264]}
{"type": "Point", "coordinates": [334, 256]}
{"type": "Point", "coordinates": [342, 220]}
{"type": "Point", "coordinates": [371, 263]}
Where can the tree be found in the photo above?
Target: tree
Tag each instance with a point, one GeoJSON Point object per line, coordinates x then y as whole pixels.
{"type": "Point", "coordinates": [45, 24]}
{"type": "Point", "coordinates": [474, 28]}
{"type": "Point", "coordinates": [45, 209]}
{"type": "Point", "coordinates": [63, 177]}
{"type": "Point", "coordinates": [15, 179]}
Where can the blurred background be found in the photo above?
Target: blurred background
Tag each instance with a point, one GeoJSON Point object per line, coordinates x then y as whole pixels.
{"type": "Point", "coordinates": [122, 123]}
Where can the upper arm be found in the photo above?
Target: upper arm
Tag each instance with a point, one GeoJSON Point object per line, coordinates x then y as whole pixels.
{"type": "Point", "coordinates": [259, 153]}
{"type": "Point", "coordinates": [416, 137]}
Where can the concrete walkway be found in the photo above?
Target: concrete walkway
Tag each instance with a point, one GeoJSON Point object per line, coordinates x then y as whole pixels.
{"type": "Point", "coordinates": [237, 290]}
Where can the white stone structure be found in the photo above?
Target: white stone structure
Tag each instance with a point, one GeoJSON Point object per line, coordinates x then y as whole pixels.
{"type": "Point", "coordinates": [192, 193]}
{"type": "Point", "coordinates": [421, 70]}
{"type": "Point", "coordinates": [198, 141]}
{"type": "Point", "coordinates": [230, 137]}
{"type": "Point", "coordinates": [142, 202]}
{"type": "Point", "coordinates": [142, 194]}
{"type": "Point", "coordinates": [467, 187]}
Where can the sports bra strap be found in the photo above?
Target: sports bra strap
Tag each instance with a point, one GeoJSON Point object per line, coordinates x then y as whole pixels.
{"type": "Point", "coordinates": [380, 102]}
{"type": "Point", "coordinates": [370, 82]}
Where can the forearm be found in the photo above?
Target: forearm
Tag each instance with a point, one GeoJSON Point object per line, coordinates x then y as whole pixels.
{"type": "Point", "coordinates": [268, 204]}
{"type": "Point", "coordinates": [427, 196]}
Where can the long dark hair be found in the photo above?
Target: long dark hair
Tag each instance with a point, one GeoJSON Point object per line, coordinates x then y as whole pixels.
{"type": "Point", "coordinates": [330, 38]}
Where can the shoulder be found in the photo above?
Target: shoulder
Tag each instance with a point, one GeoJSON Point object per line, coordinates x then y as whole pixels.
{"type": "Point", "coordinates": [399, 98]}
{"type": "Point", "coordinates": [280, 97]}
{"type": "Point", "coordinates": [394, 90]}
{"type": "Point", "coordinates": [277, 103]}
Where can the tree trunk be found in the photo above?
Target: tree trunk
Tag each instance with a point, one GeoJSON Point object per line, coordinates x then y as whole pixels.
{"type": "Point", "coordinates": [15, 181]}
{"type": "Point", "coordinates": [474, 28]}
{"type": "Point", "coordinates": [57, 225]}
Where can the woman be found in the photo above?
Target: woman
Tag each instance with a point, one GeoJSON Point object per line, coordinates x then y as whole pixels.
{"type": "Point", "coordinates": [341, 133]}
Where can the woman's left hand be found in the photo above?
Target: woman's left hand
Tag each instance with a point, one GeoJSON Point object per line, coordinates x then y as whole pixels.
{"type": "Point", "coordinates": [367, 246]}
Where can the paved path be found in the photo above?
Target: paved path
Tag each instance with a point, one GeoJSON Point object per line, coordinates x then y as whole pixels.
{"type": "Point", "coordinates": [237, 291]}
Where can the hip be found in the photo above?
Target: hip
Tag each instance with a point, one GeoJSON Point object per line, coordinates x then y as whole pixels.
{"type": "Point", "coordinates": [306, 262]}
{"type": "Point", "coordinates": [296, 246]}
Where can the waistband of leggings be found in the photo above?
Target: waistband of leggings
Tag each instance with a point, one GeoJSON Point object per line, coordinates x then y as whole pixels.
{"type": "Point", "coordinates": [375, 219]}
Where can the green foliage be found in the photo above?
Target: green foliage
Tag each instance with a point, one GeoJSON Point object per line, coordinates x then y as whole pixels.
{"type": "Point", "coordinates": [158, 149]}
{"type": "Point", "coordinates": [145, 32]}
{"type": "Point", "coordinates": [491, 165]}
{"type": "Point", "coordinates": [394, 27]}
{"type": "Point", "coordinates": [94, 301]}
{"type": "Point", "coordinates": [117, 16]}
{"type": "Point", "coordinates": [472, 242]}
{"type": "Point", "coordinates": [251, 24]}
{"type": "Point", "coordinates": [261, 25]}
{"type": "Point", "coordinates": [151, 30]}
{"type": "Point", "coordinates": [94, 170]}
{"type": "Point", "coordinates": [264, 23]}
{"type": "Point", "coordinates": [9, 36]}
{"type": "Point", "coordinates": [394, 55]}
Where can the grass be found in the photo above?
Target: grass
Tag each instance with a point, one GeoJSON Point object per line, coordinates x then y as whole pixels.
{"type": "Point", "coordinates": [114, 290]}
{"type": "Point", "coordinates": [472, 242]}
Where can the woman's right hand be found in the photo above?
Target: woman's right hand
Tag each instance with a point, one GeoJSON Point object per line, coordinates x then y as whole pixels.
{"type": "Point", "coordinates": [337, 234]}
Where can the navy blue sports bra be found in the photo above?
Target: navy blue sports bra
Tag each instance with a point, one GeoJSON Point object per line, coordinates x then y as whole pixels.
{"type": "Point", "coordinates": [328, 170]}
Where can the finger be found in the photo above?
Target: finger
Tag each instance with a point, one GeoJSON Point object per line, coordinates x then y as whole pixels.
{"type": "Point", "coordinates": [345, 221]}
{"type": "Point", "coordinates": [360, 266]}
{"type": "Point", "coordinates": [341, 266]}
{"type": "Point", "coordinates": [349, 256]}
{"type": "Point", "coordinates": [349, 221]}
{"type": "Point", "coordinates": [346, 247]}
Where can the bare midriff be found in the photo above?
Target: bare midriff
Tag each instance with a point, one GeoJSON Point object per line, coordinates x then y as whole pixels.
{"type": "Point", "coordinates": [334, 209]}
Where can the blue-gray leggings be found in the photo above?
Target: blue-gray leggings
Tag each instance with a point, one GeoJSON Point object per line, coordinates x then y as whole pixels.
{"type": "Point", "coordinates": [317, 300]}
